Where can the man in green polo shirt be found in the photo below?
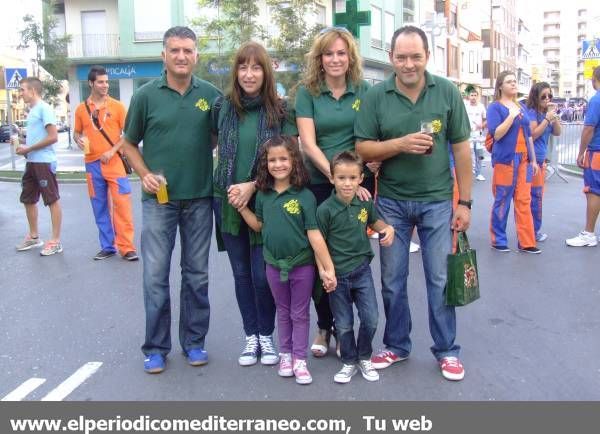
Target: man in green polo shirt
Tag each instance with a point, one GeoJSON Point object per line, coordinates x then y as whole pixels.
{"type": "Point", "coordinates": [415, 189]}
{"type": "Point", "coordinates": [172, 116]}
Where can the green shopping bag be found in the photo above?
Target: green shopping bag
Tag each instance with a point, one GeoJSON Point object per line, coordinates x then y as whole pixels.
{"type": "Point", "coordinates": [463, 278]}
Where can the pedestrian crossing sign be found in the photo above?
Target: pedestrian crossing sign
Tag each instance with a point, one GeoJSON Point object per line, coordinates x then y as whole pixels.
{"type": "Point", "coordinates": [591, 49]}
{"type": "Point", "coordinates": [13, 77]}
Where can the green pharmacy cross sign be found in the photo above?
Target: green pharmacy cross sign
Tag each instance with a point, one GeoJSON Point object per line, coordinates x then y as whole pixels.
{"type": "Point", "coordinates": [352, 19]}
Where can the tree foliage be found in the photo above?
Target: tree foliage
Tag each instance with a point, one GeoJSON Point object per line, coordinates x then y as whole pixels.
{"type": "Point", "coordinates": [232, 22]}
{"type": "Point", "coordinates": [50, 49]}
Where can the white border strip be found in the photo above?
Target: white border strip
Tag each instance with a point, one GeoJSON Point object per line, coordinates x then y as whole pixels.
{"type": "Point", "coordinates": [65, 388]}
{"type": "Point", "coordinates": [24, 389]}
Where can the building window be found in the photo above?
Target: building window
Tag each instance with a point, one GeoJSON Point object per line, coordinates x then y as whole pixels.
{"type": "Point", "coordinates": [390, 28]}
{"type": "Point", "coordinates": [472, 62]}
{"type": "Point", "coordinates": [408, 11]}
{"type": "Point", "coordinates": [321, 15]}
{"type": "Point", "coordinates": [340, 6]}
{"type": "Point", "coordinates": [113, 89]}
{"type": "Point", "coordinates": [150, 23]}
{"type": "Point", "coordinates": [376, 30]}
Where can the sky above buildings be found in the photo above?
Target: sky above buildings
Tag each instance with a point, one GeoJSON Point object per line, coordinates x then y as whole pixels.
{"type": "Point", "coordinates": [12, 24]}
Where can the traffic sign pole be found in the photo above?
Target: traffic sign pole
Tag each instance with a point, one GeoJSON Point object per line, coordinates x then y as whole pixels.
{"type": "Point", "coordinates": [9, 119]}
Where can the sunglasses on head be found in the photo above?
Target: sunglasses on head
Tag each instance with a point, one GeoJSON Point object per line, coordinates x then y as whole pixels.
{"type": "Point", "coordinates": [546, 96]}
{"type": "Point", "coordinates": [334, 29]}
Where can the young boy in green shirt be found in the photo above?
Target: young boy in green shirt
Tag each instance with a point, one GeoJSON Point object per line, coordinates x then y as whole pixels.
{"type": "Point", "coordinates": [343, 221]}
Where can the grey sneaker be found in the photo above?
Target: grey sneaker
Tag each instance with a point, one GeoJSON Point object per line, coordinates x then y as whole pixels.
{"type": "Point", "coordinates": [249, 355]}
{"type": "Point", "coordinates": [368, 371]}
{"type": "Point", "coordinates": [29, 243]}
{"type": "Point", "coordinates": [51, 248]}
{"type": "Point", "coordinates": [268, 356]}
{"type": "Point", "coordinates": [345, 374]}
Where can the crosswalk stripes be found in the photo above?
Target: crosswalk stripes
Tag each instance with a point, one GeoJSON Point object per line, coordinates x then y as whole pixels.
{"type": "Point", "coordinates": [59, 393]}
{"type": "Point", "coordinates": [24, 389]}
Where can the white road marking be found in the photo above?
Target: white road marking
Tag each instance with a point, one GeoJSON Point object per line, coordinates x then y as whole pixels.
{"type": "Point", "coordinates": [24, 389]}
{"type": "Point", "coordinates": [65, 388]}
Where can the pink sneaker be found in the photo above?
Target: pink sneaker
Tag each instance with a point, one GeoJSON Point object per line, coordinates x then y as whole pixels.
{"type": "Point", "coordinates": [301, 372]}
{"type": "Point", "coordinates": [285, 365]}
{"type": "Point", "coordinates": [452, 369]}
{"type": "Point", "coordinates": [385, 359]}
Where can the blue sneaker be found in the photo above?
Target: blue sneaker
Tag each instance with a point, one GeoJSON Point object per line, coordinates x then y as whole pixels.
{"type": "Point", "coordinates": [154, 363]}
{"type": "Point", "coordinates": [197, 357]}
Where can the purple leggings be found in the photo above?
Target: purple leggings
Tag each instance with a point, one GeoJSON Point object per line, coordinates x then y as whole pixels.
{"type": "Point", "coordinates": [292, 299]}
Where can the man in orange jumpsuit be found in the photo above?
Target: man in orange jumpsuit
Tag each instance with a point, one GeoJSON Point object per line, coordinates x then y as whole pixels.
{"type": "Point", "coordinates": [108, 185]}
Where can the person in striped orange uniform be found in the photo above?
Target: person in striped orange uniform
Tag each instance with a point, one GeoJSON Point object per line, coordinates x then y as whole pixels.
{"type": "Point", "coordinates": [514, 163]}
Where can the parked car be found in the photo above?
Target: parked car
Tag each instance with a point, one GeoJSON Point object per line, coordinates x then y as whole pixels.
{"type": "Point", "coordinates": [6, 131]}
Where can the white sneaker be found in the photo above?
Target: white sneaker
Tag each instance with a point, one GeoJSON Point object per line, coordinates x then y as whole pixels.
{"type": "Point", "coordinates": [583, 239]}
{"type": "Point", "coordinates": [480, 177]}
{"type": "Point", "coordinates": [541, 237]}
{"type": "Point", "coordinates": [345, 374]}
{"type": "Point", "coordinates": [368, 371]}
{"type": "Point", "coordinates": [414, 247]}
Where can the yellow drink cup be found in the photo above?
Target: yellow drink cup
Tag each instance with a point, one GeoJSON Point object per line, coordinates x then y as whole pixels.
{"type": "Point", "coordinates": [162, 196]}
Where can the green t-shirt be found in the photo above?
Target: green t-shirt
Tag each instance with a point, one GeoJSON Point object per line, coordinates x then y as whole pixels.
{"type": "Point", "coordinates": [175, 130]}
{"type": "Point", "coordinates": [286, 217]}
{"type": "Point", "coordinates": [344, 227]}
{"type": "Point", "coordinates": [334, 121]}
{"type": "Point", "coordinates": [386, 113]}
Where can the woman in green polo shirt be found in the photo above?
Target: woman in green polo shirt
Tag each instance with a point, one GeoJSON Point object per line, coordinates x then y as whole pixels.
{"type": "Point", "coordinates": [327, 101]}
{"type": "Point", "coordinates": [250, 114]}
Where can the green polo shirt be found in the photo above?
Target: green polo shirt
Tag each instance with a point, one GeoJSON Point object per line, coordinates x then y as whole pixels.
{"type": "Point", "coordinates": [386, 113]}
{"type": "Point", "coordinates": [286, 217]}
{"type": "Point", "coordinates": [344, 227]}
{"type": "Point", "coordinates": [175, 130]}
{"type": "Point", "coordinates": [334, 121]}
{"type": "Point", "coordinates": [247, 144]}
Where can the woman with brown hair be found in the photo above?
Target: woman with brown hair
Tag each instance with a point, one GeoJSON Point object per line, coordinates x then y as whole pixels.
{"type": "Point", "coordinates": [250, 114]}
{"type": "Point", "coordinates": [514, 162]}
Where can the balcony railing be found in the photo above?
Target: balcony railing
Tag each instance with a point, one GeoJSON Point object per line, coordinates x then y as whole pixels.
{"type": "Point", "coordinates": [94, 45]}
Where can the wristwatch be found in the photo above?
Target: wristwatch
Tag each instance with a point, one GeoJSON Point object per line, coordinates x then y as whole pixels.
{"type": "Point", "coordinates": [466, 203]}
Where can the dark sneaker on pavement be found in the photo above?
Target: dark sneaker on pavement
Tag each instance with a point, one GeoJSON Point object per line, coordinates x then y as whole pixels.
{"type": "Point", "coordinates": [154, 363]}
{"type": "Point", "coordinates": [385, 358]}
{"type": "Point", "coordinates": [452, 369]}
{"type": "Point", "coordinates": [533, 250]}
{"type": "Point", "coordinates": [103, 254]}
{"type": "Point", "coordinates": [500, 248]}
{"type": "Point", "coordinates": [249, 355]}
{"type": "Point", "coordinates": [131, 256]}
{"type": "Point", "coordinates": [197, 357]}
{"type": "Point", "coordinates": [268, 356]}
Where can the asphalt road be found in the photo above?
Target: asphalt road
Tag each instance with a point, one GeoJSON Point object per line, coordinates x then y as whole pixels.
{"type": "Point", "coordinates": [532, 336]}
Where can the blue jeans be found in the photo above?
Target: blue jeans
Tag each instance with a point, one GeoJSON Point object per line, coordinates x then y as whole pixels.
{"type": "Point", "coordinates": [355, 287]}
{"type": "Point", "coordinates": [252, 290]}
{"type": "Point", "coordinates": [432, 220]}
{"type": "Point", "coordinates": [159, 228]}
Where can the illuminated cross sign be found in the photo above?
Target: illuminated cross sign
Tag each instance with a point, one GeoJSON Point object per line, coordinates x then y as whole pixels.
{"type": "Point", "coordinates": [352, 19]}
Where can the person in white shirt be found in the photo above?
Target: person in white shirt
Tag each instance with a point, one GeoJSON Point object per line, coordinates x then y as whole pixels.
{"type": "Point", "coordinates": [476, 112]}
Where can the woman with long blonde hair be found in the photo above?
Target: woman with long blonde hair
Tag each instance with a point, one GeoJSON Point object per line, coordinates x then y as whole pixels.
{"type": "Point", "coordinates": [327, 102]}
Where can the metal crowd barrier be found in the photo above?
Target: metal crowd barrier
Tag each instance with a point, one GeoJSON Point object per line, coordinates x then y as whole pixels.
{"type": "Point", "coordinates": [563, 149]}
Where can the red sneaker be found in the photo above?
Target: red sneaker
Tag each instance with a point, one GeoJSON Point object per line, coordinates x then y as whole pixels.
{"type": "Point", "coordinates": [452, 369]}
{"type": "Point", "coordinates": [385, 358]}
